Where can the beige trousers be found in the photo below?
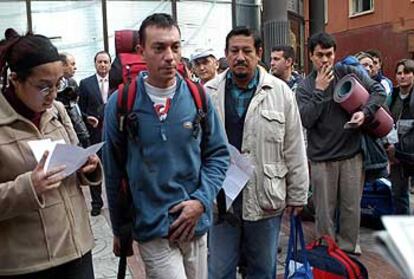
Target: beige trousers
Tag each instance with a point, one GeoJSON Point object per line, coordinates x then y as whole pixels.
{"type": "Point", "coordinates": [338, 185]}
{"type": "Point", "coordinates": [166, 260]}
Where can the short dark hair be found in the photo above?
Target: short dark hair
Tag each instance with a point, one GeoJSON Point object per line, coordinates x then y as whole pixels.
{"type": "Point", "coordinates": [223, 63]}
{"type": "Point", "coordinates": [408, 65]}
{"type": "Point", "coordinates": [245, 31]}
{"type": "Point", "coordinates": [323, 39]}
{"type": "Point", "coordinates": [375, 53]}
{"type": "Point", "coordinates": [64, 58]}
{"type": "Point", "coordinates": [160, 20]}
{"type": "Point", "coordinates": [288, 51]}
{"type": "Point", "coordinates": [187, 62]}
{"type": "Point", "coordinates": [102, 52]}
{"type": "Point", "coordinates": [362, 54]}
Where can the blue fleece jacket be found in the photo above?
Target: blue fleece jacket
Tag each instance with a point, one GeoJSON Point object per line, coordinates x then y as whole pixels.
{"type": "Point", "coordinates": [165, 163]}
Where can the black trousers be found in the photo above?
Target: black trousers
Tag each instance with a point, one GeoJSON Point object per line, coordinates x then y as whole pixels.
{"type": "Point", "coordinates": [96, 191]}
{"type": "Point", "coordinates": [81, 268]}
{"type": "Point", "coordinates": [96, 195]}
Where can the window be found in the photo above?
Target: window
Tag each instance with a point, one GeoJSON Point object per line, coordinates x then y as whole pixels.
{"type": "Point", "coordinates": [13, 14]}
{"type": "Point", "coordinates": [204, 24]}
{"type": "Point", "coordinates": [361, 6]}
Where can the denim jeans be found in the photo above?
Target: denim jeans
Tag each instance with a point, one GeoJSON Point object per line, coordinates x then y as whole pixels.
{"type": "Point", "coordinates": [257, 241]}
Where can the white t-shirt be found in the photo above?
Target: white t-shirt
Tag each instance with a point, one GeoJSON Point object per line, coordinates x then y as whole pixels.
{"type": "Point", "coordinates": [161, 97]}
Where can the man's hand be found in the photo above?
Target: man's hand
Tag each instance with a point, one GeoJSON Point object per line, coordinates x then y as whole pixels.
{"type": "Point", "coordinates": [324, 77]}
{"type": "Point", "coordinates": [183, 227]}
{"type": "Point", "coordinates": [91, 164]}
{"type": "Point", "coordinates": [295, 210]}
{"type": "Point", "coordinates": [93, 121]}
{"type": "Point", "coordinates": [358, 118]}
{"type": "Point", "coordinates": [44, 181]}
{"type": "Point", "coordinates": [391, 154]}
{"type": "Point", "coordinates": [116, 247]}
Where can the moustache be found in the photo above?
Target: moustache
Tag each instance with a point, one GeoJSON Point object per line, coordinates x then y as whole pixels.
{"type": "Point", "coordinates": [240, 63]}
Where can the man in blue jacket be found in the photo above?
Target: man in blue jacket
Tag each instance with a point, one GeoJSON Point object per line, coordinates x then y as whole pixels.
{"type": "Point", "coordinates": [174, 171]}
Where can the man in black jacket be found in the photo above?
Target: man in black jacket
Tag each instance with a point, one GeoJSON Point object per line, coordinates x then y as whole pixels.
{"type": "Point", "coordinates": [69, 97]}
{"type": "Point", "coordinates": [334, 152]}
{"type": "Point", "coordinates": [93, 95]}
{"type": "Point", "coordinates": [401, 105]}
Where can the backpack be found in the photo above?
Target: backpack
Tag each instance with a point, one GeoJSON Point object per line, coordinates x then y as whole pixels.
{"type": "Point", "coordinates": [132, 65]}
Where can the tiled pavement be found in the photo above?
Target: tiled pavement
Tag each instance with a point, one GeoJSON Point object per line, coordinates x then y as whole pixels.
{"type": "Point", "coordinates": [106, 264]}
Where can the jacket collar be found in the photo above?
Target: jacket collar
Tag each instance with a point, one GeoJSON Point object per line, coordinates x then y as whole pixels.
{"type": "Point", "coordinates": [9, 115]}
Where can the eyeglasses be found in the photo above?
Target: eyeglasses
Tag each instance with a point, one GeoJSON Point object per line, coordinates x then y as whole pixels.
{"type": "Point", "coordinates": [47, 90]}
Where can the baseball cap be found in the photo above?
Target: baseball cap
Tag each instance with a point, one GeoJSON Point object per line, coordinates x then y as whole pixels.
{"type": "Point", "coordinates": [201, 53]}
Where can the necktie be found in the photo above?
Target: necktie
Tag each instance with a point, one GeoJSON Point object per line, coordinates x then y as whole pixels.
{"type": "Point", "coordinates": [104, 94]}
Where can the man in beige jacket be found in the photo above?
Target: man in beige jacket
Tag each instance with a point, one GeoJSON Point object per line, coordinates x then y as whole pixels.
{"type": "Point", "coordinates": [262, 121]}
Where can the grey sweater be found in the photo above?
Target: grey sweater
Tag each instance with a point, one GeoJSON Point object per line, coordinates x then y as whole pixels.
{"type": "Point", "coordinates": [324, 119]}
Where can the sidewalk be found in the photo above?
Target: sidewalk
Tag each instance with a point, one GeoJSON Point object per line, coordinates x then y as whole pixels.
{"type": "Point", "coordinates": [106, 264]}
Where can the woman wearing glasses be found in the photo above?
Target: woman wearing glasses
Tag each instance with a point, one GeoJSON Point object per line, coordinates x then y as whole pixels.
{"type": "Point", "coordinates": [44, 223]}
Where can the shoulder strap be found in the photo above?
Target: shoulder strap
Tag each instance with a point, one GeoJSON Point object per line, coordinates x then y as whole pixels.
{"type": "Point", "coordinates": [126, 97]}
{"type": "Point", "coordinates": [200, 100]}
{"type": "Point", "coordinates": [198, 93]}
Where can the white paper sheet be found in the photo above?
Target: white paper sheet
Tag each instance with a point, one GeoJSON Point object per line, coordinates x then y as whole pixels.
{"type": "Point", "coordinates": [72, 156]}
{"type": "Point", "coordinates": [237, 176]}
{"type": "Point", "coordinates": [399, 239]}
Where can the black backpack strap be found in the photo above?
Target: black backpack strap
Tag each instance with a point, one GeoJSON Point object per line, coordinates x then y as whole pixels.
{"type": "Point", "coordinates": [200, 100]}
{"type": "Point", "coordinates": [125, 102]}
{"type": "Point", "coordinates": [203, 97]}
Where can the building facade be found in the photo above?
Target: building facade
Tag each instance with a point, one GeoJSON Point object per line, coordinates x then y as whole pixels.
{"type": "Point", "coordinates": [386, 25]}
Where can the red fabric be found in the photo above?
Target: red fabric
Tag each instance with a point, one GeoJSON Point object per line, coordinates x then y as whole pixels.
{"type": "Point", "coordinates": [22, 109]}
{"type": "Point", "coordinates": [322, 274]}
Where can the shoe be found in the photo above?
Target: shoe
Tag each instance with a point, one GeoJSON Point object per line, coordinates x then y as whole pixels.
{"type": "Point", "coordinates": [95, 211]}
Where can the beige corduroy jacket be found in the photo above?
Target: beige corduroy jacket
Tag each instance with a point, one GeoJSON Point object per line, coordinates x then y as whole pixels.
{"type": "Point", "coordinates": [38, 232]}
{"type": "Point", "coordinates": [273, 140]}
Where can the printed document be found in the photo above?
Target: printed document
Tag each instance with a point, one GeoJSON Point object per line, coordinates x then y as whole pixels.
{"type": "Point", "coordinates": [72, 156]}
{"type": "Point", "coordinates": [399, 242]}
{"type": "Point", "coordinates": [237, 176]}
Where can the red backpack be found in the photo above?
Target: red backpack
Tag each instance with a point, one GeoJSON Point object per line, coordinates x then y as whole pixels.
{"type": "Point", "coordinates": [132, 65]}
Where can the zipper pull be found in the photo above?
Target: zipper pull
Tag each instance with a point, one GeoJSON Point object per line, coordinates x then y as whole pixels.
{"type": "Point", "coordinates": [163, 133]}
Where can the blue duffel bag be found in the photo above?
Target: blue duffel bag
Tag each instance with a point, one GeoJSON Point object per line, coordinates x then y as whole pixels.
{"type": "Point", "coordinates": [377, 199]}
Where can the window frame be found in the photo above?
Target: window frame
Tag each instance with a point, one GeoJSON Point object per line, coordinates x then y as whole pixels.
{"type": "Point", "coordinates": [354, 13]}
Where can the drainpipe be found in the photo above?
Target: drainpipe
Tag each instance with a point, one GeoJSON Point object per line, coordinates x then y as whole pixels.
{"type": "Point", "coordinates": [246, 13]}
{"type": "Point", "coordinates": [105, 26]}
{"type": "Point", "coordinates": [316, 16]}
{"type": "Point", "coordinates": [29, 15]}
{"type": "Point", "coordinates": [275, 25]}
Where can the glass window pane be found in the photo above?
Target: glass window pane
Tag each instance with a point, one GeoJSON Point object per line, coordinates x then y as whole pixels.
{"type": "Point", "coordinates": [74, 26]}
{"type": "Point", "coordinates": [204, 24]}
{"type": "Point", "coordinates": [13, 14]}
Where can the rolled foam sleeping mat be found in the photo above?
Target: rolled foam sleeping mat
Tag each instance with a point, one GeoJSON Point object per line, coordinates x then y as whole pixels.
{"type": "Point", "coordinates": [352, 96]}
